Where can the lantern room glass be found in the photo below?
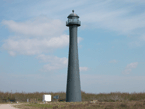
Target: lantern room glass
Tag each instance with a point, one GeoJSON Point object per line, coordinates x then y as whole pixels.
{"type": "Point", "coordinates": [73, 19]}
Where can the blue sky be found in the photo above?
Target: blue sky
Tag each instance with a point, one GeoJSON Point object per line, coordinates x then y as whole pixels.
{"type": "Point", "coordinates": [34, 44]}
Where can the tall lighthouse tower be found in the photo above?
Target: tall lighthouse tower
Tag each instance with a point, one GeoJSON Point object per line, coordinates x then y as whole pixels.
{"type": "Point", "coordinates": [73, 91]}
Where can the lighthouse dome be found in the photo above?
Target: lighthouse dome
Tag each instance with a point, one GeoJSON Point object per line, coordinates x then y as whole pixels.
{"type": "Point", "coordinates": [73, 15]}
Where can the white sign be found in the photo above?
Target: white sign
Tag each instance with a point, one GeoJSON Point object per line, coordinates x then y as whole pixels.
{"type": "Point", "coordinates": [46, 97]}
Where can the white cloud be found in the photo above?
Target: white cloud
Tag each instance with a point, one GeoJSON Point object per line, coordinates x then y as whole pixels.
{"type": "Point", "coordinates": [118, 16]}
{"type": "Point", "coordinates": [35, 36]}
{"type": "Point", "coordinates": [129, 67]}
{"type": "Point", "coordinates": [40, 26]}
{"type": "Point", "coordinates": [12, 53]}
{"type": "Point", "coordinates": [83, 69]}
{"type": "Point", "coordinates": [113, 61]}
{"type": "Point", "coordinates": [116, 20]}
{"type": "Point", "coordinates": [132, 65]}
{"type": "Point", "coordinates": [111, 14]}
{"type": "Point", "coordinates": [56, 63]}
{"type": "Point", "coordinates": [34, 46]}
{"type": "Point", "coordinates": [79, 39]}
{"type": "Point", "coordinates": [38, 36]}
{"type": "Point", "coordinates": [52, 59]}
{"type": "Point", "coordinates": [51, 67]}
{"type": "Point", "coordinates": [114, 15]}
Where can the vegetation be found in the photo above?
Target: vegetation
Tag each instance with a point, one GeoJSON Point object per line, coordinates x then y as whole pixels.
{"type": "Point", "coordinates": [115, 100]}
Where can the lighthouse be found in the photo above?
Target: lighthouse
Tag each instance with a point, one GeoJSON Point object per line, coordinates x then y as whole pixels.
{"type": "Point", "coordinates": [73, 90]}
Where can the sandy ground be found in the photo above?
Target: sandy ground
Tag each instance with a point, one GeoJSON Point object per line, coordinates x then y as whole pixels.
{"type": "Point", "coordinates": [9, 106]}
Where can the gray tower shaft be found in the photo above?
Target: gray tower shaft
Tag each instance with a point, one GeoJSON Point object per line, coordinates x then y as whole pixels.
{"type": "Point", "coordinates": [73, 90]}
{"type": "Point", "coordinates": [73, 93]}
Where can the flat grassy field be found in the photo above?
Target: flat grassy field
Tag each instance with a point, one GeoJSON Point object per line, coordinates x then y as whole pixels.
{"type": "Point", "coordinates": [84, 105]}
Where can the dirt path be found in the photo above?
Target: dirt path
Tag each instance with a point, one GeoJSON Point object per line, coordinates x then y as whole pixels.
{"type": "Point", "coordinates": [9, 106]}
